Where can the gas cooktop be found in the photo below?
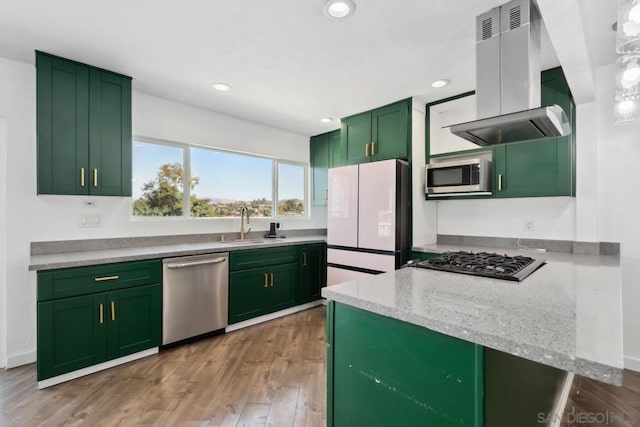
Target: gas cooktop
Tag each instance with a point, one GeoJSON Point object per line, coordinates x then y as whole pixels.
{"type": "Point", "coordinates": [496, 266]}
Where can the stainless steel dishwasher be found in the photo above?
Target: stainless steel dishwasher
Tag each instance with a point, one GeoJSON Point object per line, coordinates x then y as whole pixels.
{"type": "Point", "coordinates": [195, 291]}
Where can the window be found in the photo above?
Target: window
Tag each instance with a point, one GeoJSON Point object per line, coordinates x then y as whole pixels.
{"type": "Point", "coordinates": [157, 179]}
{"type": "Point", "coordinates": [224, 182]}
{"type": "Point", "coordinates": [291, 185]}
{"type": "Point", "coordinates": [220, 182]}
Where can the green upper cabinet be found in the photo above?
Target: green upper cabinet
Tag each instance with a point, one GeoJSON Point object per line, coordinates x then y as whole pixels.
{"type": "Point", "coordinates": [379, 134]}
{"type": "Point", "coordinates": [63, 126]}
{"type": "Point", "coordinates": [544, 167]}
{"type": "Point", "coordinates": [389, 131]}
{"type": "Point", "coordinates": [337, 154]}
{"type": "Point", "coordinates": [110, 134]}
{"type": "Point", "coordinates": [319, 150]}
{"type": "Point", "coordinates": [326, 152]}
{"type": "Point", "coordinates": [534, 168]}
{"type": "Point", "coordinates": [84, 129]}
{"type": "Point", "coordinates": [356, 137]}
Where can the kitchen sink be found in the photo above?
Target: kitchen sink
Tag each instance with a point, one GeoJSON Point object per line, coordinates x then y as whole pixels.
{"type": "Point", "coordinates": [248, 241]}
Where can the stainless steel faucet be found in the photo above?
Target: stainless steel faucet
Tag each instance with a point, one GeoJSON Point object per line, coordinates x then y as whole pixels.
{"type": "Point", "coordinates": [244, 211]}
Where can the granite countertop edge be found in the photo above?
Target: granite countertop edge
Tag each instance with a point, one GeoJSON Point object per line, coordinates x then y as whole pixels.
{"type": "Point", "coordinates": [591, 369]}
{"type": "Point", "coordinates": [107, 256]}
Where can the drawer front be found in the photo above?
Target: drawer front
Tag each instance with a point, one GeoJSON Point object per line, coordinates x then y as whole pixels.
{"type": "Point", "coordinates": [70, 282]}
{"type": "Point", "coordinates": [252, 258]}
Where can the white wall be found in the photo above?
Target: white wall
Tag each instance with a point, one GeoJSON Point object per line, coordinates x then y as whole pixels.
{"type": "Point", "coordinates": [424, 215]}
{"type": "Point", "coordinates": [3, 239]}
{"type": "Point", "coordinates": [553, 217]}
{"type": "Point", "coordinates": [619, 204]}
{"type": "Point", "coordinates": [38, 218]}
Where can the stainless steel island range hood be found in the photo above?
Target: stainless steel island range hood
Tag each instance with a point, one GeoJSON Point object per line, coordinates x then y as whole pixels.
{"type": "Point", "coordinates": [508, 80]}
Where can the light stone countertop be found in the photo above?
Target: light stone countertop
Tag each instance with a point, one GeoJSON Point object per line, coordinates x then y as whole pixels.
{"type": "Point", "coordinates": [567, 314]}
{"type": "Point", "coordinates": [106, 256]}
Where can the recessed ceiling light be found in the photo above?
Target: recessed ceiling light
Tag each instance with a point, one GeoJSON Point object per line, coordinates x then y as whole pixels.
{"type": "Point", "coordinates": [326, 120]}
{"type": "Point", "coordinates": [440, 83]}
{"type": "Point", "coordinates": [339, 8]}
{"type": "Point", "coordinates": [222, 87]}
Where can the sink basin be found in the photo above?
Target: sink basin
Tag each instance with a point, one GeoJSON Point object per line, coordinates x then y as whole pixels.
{"type": "Point", "coordinates": [247, 241]}
{"type": "Point", "coordinates": [252, 241]}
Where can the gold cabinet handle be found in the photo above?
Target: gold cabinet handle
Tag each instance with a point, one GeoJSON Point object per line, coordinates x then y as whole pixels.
{"type": "Point", "coordinates": [95, 177]}
{"type": "Point", "coordinates": [366, 150]}
{"type": "Point", "coordinates": [82, 177]}
{"type": "Point", "coordinates": [266, 280]}
{"type": "Point", "coordinates": [373, 148]}
{"type": "Point", "coordinates": [105, 278]}
{"type": "Point", "coordinates": [101, 314]}
{"type": "Point", "coordinates": [304, 258]}
{"type": "Point", "coordinates": [271, 279]}
{"type": "Point", "coordinates": [113, 311]}
{"type": "Point", "coordinates": [499, 182]}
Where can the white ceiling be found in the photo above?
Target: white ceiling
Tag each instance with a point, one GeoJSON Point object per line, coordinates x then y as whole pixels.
{"type": "Point", "coordinates": [289, 64]}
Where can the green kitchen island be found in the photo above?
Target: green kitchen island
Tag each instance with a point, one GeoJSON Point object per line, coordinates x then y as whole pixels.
{"type": "Point", "coordinates": [429, 348]}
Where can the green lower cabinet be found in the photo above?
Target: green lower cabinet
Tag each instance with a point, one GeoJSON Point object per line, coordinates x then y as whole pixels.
{"type": "Point", "coordinates": [384, 372]}
{"type": "Point", "coordinates": [424, 255]}
{"type": "Point", "coordinates": [71, 334]}
{"type": "Point", "coordinates": [134, 320]}
{"type": "Point", "coordinates": [77, 332]}
{"type": "Point", "coordinates": [281, 293]}
{"type": "Point", "coordinates": [313, 267]}
{"type": "Point", "coordinates": [263, 290]}
{"type": "Point", "coordinates": [246, 294]}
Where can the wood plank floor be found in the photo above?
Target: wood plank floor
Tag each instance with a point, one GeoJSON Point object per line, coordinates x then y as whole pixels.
{"type": "Point", "coordinates": [592, 403]}
{"type": "Point", "coordinates": [269, 374]}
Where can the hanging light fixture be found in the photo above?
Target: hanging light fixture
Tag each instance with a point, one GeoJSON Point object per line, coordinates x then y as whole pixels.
{"type": "Point", "coordinates": [628, 31]}
{"type": "Point", "coordinates": [627, 94]}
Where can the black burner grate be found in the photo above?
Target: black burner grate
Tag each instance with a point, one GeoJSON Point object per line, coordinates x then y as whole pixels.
{"type": "Point", "coordinates": [484, 264]}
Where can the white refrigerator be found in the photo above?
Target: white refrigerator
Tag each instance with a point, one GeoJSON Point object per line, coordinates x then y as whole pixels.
{"type": "Point", "coordinates": [367, 219]}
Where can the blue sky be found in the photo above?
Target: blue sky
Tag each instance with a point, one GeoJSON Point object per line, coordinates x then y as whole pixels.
{"type": "Point", "coordinates": [222, 175]}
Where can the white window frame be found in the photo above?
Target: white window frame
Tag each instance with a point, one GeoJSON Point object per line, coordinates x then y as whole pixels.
{"type": "Point", "coordinates": [186, 184]}
{"type": "Point", "coordinates": [306, 202]}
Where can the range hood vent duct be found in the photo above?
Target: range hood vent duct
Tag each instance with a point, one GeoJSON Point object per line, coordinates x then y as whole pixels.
{"type": "Point", "coordinates": [508, 80]}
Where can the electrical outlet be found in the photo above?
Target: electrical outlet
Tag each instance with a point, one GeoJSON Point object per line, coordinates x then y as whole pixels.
{"type": "Point", "coordinates": [90, 220]}
{"type": "Point", "coordinates": [529, 225]}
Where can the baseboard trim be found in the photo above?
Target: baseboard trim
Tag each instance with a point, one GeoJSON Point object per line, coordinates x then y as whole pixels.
{"type": "Point", "coordinates": [561, 403]}
{"type": "Point", "coordinates": [632, 363]}
{"type": "Point", "coordinates": [21, 359]}
{"type": "Point", "coordinates": [271, 316]}
{"type": "Point", "coordinates": [95, 368]}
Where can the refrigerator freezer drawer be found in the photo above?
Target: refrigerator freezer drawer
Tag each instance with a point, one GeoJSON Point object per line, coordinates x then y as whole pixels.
{"type": "Point", "coordinates": [337, 275]}
{"type": "Point", "coordinates": [365, 260]}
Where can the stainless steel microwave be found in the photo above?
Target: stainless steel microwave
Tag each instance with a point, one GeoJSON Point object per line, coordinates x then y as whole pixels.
{"type": "Point", "coordinates": [459, 175]}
